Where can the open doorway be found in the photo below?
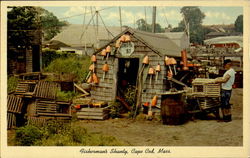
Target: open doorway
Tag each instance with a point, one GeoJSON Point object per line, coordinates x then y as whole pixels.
{"type": "Point", "coordinates": [127, 73]}
{"type": "Point", "coordinates": [126, 85]}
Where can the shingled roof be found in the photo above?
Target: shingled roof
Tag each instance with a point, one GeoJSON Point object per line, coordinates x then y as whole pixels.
{"type": "Point", "coordinates": [74, 36]}
{"type": "Point", "coordinates": [160, 44]}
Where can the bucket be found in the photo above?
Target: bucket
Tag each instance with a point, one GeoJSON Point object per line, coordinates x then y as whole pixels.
{"type": "Point", "coordinates": [173, 110]}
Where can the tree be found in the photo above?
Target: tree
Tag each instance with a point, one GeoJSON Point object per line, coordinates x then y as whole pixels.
{"type": "Point", "coordinates": [23, 21]}
{"type": "Point", "coordinates": [51, 26]}
{"type": "Point", "coordinates": [192, 18]}
{"type": "Point", "coordinates": [143, 26]}
{"type": "Point", "coordinates": [239, 24]}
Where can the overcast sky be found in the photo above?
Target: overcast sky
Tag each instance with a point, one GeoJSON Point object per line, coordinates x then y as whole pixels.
{"type": "Point", "coordinates": [165, 15]}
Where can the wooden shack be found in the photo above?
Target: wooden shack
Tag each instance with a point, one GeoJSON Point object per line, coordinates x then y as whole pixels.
{"type": "Point", "coordinates": [125, 65]}
{"type": "Point", "coordinates": [25, 58]}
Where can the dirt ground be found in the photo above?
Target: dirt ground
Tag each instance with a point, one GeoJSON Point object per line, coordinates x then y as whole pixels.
{"type": "Point", "coordinates": [193, 133]}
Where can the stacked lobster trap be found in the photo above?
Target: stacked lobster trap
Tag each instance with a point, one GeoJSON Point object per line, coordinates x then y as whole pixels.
{"type": "Point", "coordinates": [207, 95]}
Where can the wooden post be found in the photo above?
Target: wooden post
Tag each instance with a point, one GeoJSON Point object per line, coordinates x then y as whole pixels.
{"type": "Point", "coordinates": [241, 61]}
{"type": "Point", "coordinates": [115, 70]}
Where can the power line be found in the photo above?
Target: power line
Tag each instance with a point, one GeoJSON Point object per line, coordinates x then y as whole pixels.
{"type": "Point", "coordinates": [90, 12]}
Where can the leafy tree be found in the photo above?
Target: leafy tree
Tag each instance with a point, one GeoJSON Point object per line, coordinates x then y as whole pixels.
{"type": "Point", "coordinates": [192, 18]}
{"type": "Point", "coordinates": [23, 21]}
{"type": "Point", "coordinates": [143, 26]}
{"type": "Point", "coordinates": [239, 24]}
{"type": "Point", "coordinates": [51, 26]}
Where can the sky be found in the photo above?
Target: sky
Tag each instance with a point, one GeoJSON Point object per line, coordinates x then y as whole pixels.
{"type": "Point", "coordinates": [129, 15]}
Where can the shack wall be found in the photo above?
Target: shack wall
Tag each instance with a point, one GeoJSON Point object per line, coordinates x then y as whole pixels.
{"type": "Point", "coordinates": [106, 90]}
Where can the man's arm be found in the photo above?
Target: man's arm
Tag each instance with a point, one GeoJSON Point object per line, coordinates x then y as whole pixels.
{"type": "Point", "coordinates": [222, 80]}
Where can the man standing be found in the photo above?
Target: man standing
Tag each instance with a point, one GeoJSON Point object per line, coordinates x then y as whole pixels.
{"type": "Point", "coordinates": [227, 82]}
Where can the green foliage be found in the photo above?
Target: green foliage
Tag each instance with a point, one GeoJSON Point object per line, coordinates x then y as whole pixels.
{"type": "Point", "coordinates": [143, 26]}
{"type": "Point", "coordinates": [239, 24]}
{"type": "Point", "coordinates": [77, 67]}
{"type": "Point", "coordinates": [28, 135]}
{"type": "Point", "coordinates": [115, 109]}
{"type": "Point", "coordinates": [50, 24]}
{"type": "Point", "coordinates": [193, 18]}
{"type": "Point", "coordinates": [59, 133]}
{"type": "Point", "coordinates": [65, 96]}
{"type": "Point", "coordinates": [21, 22]}
{"type": "Point", "coordinates": [12, 83]}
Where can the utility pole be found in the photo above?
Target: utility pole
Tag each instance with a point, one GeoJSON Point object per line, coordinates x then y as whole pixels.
{"type": "Point", "coordinates": [154, 19]}
{"type": "Point", "coordinates": [97, 22]}
{"type": "Point", "coordinates": [146, 18]}
{"type": "Point", "coordinates": [120, 18]}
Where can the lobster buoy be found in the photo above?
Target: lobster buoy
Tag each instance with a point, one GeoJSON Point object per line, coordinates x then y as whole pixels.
{"type": "Point", "coordinates": [93, 58]}
{"type": "Point", "coordinates": [154, 101]}
{"type": "Point", "coordinates": [90, 79]}
{"type": "Point", "coordinates": [151, 72]}
{"type": "Point", "coordinates": [108, 49]}
{"type": "Point", "coordinates": [91, 67]}
{"type": "Point", "coordinates": [145, 60]}
{"type": "Point", "coordinates": [123, 38]}
{"type": "Point", "coordinates": [118, 43]}
{"type": "Point", "coordinates": [95, 78]}
{"type": "Point", "coordinates": [127, 38]}
{"type": "Point", "coordinates": [157, 69]}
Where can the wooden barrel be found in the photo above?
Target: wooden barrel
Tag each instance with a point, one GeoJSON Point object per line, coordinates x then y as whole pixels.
{"type": "Point", "coordinates": [173, 110]}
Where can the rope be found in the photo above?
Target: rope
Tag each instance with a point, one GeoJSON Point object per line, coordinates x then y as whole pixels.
{"type": "Point", "coordinates": [105, 26]}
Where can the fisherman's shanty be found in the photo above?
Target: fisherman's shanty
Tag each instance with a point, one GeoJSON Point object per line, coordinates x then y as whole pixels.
{"type": "Point", "coordinates": [134, 58]}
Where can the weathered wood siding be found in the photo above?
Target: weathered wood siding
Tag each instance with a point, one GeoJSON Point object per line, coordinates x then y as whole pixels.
{"type": "Point", "coordinates": [106, 90]}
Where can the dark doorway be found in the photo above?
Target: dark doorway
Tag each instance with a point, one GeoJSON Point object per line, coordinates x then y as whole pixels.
{"type": "Point", "coordinates": [127, 74]}
{"type": "Point", "coordinates": [36, 58]}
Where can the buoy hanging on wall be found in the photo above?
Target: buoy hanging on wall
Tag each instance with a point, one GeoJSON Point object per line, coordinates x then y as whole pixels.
{"type": "Point", "coordinates": [157, 70]}
{"type": "Point", "coordinates": [151, 72]}
{"type": "Point", "coordinates": [154, 100]}
{"type": "Point", "coordinates": [127, 38]}
{"type": "Point", "coordinates": [118, 43]}
{"type": "Point", "coordinates": [108, 50]}
{"type": "Point", "coordinates": [123, 38]}
{"type": "Point", "coordinates": [90, 79]}
{"type": "Point", "coordinates": [95, 78]}
{"type": "Point", "coordinates": [145, 60]}
{"type": "Point", "coordinates": [93, 58]}
{"type": "Point", "coordinates": [105, 69]}
{"type": "Point", "coordinates": [103, 53]}
{"type": "Point", "coordinates": [173, 62]}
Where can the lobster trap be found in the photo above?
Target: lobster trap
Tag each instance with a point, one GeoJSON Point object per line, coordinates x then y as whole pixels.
{"type": "Point", "coordinates": [203, 87]}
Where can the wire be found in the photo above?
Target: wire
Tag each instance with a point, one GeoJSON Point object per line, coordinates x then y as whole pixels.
{"type": "Point", "coordinates": [105, 25]}
{"type": "Point", "coordinates": [164, 12]}
{"type": "Point", "coordinates": [90, 12]}
{"type": "Point", "coordinates": [87, 26]}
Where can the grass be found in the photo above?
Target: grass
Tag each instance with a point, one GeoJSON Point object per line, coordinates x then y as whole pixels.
{"type": "Point", "coordinates": [74, 66]}
{"type": "Point", "coordinates": [58, 133]}
{"type": "Point", "coordinates": [12, 84]}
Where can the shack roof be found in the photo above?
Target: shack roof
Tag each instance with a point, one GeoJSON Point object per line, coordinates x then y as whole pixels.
{"type": "Point", "coordinates": [160, 44]}
{"type": "Point", "coordinates": [78, 35]}
{"type": "Point", "coordinates": [225, 40]}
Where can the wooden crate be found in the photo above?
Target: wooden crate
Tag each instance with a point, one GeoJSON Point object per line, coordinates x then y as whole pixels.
{"type": "Point", "coordinates": [93, 113]}
{"type": "Point", "coordinates": [25, 88]}
{"type": "Point", "coordinates": [202, 87]}
{"type": "Point", "coordinates": [53, 108]}
{"type": "Point", "coordinates": [11, 119]}
{"type": "Point", "coordinates": [14, 104]}
{"type": "Point", "coordinates": [39, 121]}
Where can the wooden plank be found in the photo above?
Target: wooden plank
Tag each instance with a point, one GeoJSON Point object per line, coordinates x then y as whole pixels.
{"type": "Point", "coordinates": [94, 117]}
{"type": "Point", "coordinates": [56, 114]}
{"type": "Point", "coordinates": [99, 110]}
{"type": "Point", "coordinates": [90, 113]}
